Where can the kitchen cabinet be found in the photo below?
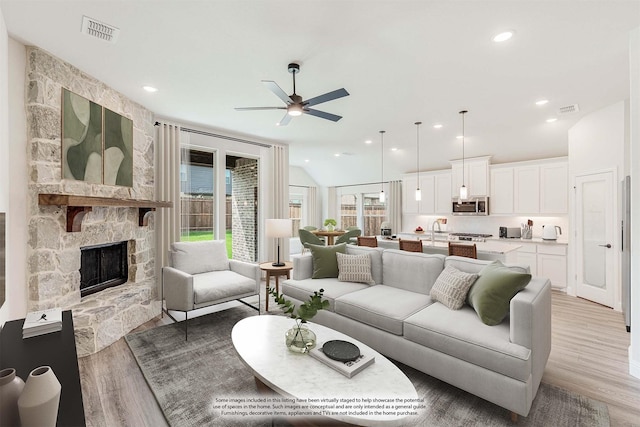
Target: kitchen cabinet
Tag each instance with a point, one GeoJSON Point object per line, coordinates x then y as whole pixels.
{"type": "Point", "coordinates": [427, 204]}
{"type": "Point", "coordinates": [554, 183]}
{"type": "Point", "coordinates": [526, 189]}
{"type": "Point", "coordinates": [501, 196]}
{"type": "Point", "coordinates": [476, 176]}
{"type": "Point", "coordinates": [545, 260]}
{"type": "Point", "coordinates": [409, 203]}
{"type": "Point", "coordinates": [442, 188]}
{"type": "Point", "coordinates": [435, 188]}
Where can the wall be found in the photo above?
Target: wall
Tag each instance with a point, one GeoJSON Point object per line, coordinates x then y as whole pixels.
{"type": "Point", "coordinates": [4, 137]}
{"type": "Point", "coordinates": [596, 143]}
{"type": "Point", "coordinates": [634, 167]}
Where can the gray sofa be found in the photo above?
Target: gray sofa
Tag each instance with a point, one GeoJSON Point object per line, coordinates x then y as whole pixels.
{"type": "Point", "coordinates": [396, 316]}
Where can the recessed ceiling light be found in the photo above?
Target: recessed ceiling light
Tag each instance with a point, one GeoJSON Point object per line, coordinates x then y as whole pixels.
{"type": "Point", "coordinates": [306, 160]}
{"type": "Point", "coordinates": [150, 89]}
{"type": "Point", "coordinates": [459, 137]}
{"type": "Point", "coordinates": [551, 120]}
{"type": "Point", "coordinates": [337, 154]}
{"type": "Point", "coordinates": [368, 141]}
{"type": "Point", "coordinates": [503, 36]}
{"type": "Point", "coordinates": [437, 126]}
{"type": "Point", "coordinates": [542, 101]}
{"type": "Point", "coordinates": [394, 149]}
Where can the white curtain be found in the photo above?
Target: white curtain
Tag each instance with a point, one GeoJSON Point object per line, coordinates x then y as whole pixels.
{"type": "Point", "coordinates": [167, 177]}
{"type": "Point", "coordinates": [394, 206]}
{"type": "Point", "coordinates": [312, 203]}
{"type": "Point", "coordinates": [280, 194]}
{"type": "Point", "coordinates": [332, 204]}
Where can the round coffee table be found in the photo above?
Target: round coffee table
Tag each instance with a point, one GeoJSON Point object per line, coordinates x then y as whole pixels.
{"type": "Point", "coordinates": [259, 341]}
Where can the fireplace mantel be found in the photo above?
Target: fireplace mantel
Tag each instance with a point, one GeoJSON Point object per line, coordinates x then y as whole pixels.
{"type": "Point", "coordinates": [78, 206]}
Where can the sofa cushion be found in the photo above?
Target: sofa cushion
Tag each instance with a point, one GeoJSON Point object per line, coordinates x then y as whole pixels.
{"type": "Point", "coordinates": [471, 265]}
{"type": "Point", "coordinates": [354, 268]}
{"type": "Point", "coordinates": [381, 306]}
{"type": "Point", "coordinates": [411, 271]}
{"type": "Point", "coordinates": [325, 263]}
{"type": "Point", "coordinates": [491, 294]}
{"type": "Point", "coordinates": [376, 259]}
{"type": "Point", "coordinates": [333, 288]}
{"type": "Point", "coordinates": [462, 335]}
{"type": "Point", "coordinates": [451, 287]}
{"type": "Point", "coordinates": [216, 285]}
{"type": "Point", "coordinates": [199, 257]}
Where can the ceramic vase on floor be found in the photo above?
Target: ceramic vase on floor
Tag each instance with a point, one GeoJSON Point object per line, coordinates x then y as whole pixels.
{"type": "Point", "coordinates": [11, 387]}
{"type": "Point", "coordinates": [38, 403]}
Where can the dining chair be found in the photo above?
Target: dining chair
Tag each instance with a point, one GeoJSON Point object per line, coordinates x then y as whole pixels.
{"type": "Point", "coordinates": [310, 227]}
{"type": "Point", "coordinates": [410, 245]}
{"type": "Point", "coordinates": [462, 249]}
{"type": "Point", "coordinates": [308, 237]}
{"type": "Point", "coordinates": [371, 241]}
{"type": "Point", "coordinates": [348, 236]}
{"type": "Point", "coordinates": [352, 227]}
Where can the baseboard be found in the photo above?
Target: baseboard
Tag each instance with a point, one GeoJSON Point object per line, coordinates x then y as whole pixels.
{"type": "Point", "coordinates": [634, 366]}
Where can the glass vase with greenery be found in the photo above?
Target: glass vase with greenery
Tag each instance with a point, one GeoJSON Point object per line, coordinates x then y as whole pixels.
{"type": "Point", "coordinates": [330, 223]}
{"type": "Point", "coordinates": [299, 338]}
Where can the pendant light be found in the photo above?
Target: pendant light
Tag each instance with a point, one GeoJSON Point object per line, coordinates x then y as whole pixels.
{"type": "Point", "coordinates": [382, 195]}
{"type": "Point", "coordinates": [418, 192]}
{"type": "Point", "coordinates": [463, 189]}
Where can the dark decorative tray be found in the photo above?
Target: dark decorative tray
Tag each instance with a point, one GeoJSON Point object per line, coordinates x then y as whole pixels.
{"type": "Point", "coordinates": [342, 351]}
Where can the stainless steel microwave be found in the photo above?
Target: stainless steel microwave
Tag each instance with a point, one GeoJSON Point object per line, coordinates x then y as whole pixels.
{"type": "Point", "coordinates": [472, 206]}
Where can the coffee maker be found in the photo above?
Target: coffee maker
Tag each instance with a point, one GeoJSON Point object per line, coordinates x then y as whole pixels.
{"type": "Point", "coordinates": [385, 229]}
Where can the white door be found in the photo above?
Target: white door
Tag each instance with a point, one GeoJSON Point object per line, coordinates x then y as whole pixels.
{"type": "Point", "coordinates": [595, 237]}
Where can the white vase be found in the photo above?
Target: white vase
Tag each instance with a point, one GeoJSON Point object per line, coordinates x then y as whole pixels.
{"type": "Point", "coordinates": [10, 388]}
{"type": "Point", "coordinates": [38, 403]}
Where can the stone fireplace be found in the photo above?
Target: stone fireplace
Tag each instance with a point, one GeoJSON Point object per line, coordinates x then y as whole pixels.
{"type": "Point", "coordinates": [103, 267]}
{"type": "Point", "coordinates": [55, 254]}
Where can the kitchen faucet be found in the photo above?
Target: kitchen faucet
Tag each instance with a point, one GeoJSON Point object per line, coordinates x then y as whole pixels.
{"type": "Point", "coordinates": [436, 222]}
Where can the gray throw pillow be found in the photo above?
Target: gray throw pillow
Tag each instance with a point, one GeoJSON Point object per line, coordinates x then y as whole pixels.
{"type": "Point", "coordinates": [451, 287]}
{"type": "Point", "coordinates": [325, 263]}
{"type": "Point", "coordinates": [491, 294]}
{"type": "Point", "coordinates": [354, 268]}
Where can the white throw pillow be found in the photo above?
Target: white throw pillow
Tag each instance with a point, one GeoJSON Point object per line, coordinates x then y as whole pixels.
{"type": "Point", "coordinates": [452, 286]}
{"type": "Point", "coordinates": [354, 268]}
{"type": "Point", "coordinates": [200, 257]}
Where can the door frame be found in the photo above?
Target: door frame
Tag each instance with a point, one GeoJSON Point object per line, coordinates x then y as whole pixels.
{"type": "Point", "coordinates": [615, 220]}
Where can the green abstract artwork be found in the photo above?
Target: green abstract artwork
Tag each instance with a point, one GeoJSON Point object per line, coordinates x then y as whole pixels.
{"type": "Point", "coordinates": [81, 138]}
{"type": "Point", "coordinates": [118, 149]}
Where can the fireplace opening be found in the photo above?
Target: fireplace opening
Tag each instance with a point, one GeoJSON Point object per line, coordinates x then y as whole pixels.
{"type": "Point", "coordinates": [102, 267]}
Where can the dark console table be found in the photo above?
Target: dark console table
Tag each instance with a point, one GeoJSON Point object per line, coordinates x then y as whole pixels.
{"type": "Point", "coordinates": [58, 350]}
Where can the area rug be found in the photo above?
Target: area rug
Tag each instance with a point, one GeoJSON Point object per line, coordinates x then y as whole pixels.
{"type": "Point", "coordinates": [186, 377]}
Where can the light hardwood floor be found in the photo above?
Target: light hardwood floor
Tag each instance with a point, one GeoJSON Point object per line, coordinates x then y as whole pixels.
{"type": "Point", "coordinates": [588, 356]}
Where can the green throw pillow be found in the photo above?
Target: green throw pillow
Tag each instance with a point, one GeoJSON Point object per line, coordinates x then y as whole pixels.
{"type": "Point", "coordinates": [325, 263]}
{"type": "Point", "coordinates": [491, 294]}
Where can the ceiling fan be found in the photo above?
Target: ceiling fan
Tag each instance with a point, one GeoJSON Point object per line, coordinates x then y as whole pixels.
{"type": "Point", "coordinates": [295, 105]}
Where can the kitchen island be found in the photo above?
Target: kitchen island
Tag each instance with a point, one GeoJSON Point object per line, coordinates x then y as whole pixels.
{"type": "Point", "coordinates": [488, 250]}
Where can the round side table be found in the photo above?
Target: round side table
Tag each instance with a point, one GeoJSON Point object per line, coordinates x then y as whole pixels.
{"type": "Point", "coordinates": [275, 272]}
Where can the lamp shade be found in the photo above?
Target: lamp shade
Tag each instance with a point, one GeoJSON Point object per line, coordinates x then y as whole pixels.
{"type": "Point", "coordinates": [278, 228]}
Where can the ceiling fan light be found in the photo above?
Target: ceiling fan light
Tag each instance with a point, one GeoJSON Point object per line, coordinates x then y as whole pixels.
{"type": "Point", "coordinates": [294, 110]}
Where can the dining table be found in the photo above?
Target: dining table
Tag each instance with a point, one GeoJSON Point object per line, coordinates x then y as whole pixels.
{"type": "Point", "coordinates": [330, 235]}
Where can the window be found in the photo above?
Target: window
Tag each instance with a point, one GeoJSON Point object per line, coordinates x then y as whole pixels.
{"type": "Point", "coordinates": [348, 211]}
{"type": "Point", "coordinates": [197, 195]}
{"type": "Point", "coordinates": [374, 213]}
{"type": "Point", "coordinates": [295, 212]}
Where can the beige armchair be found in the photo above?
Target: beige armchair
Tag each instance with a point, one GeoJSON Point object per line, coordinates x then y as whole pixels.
{"type": "Point", "coordinates": [200, 275]}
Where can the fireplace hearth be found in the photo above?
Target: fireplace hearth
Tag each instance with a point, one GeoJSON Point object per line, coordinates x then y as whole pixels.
{"type": "Point", "coordinates": [103, 266]}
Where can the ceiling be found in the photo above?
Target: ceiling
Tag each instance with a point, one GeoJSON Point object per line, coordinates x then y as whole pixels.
{"type": "Point", "coordinates": [401, 62]}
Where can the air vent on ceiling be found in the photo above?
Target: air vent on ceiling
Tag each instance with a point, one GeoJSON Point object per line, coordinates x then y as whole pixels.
{"type": "Point", "coordinates": [568, 109]}
{"type": "Point", "coordinates": [99, 30]}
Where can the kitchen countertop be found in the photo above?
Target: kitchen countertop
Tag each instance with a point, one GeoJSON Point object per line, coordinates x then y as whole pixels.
{"type": "Point", "coordinates": [537, 240]}
{"type": "Point", "coordinates": [488, 247]}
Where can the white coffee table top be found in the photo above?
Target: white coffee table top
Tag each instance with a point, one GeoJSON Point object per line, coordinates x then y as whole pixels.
{"type": "Point", "coordinates": [259, 341]}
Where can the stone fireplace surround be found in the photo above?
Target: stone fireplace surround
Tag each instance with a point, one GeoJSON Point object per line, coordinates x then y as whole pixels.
{"type": "Point", "coordinates": [53, 276]}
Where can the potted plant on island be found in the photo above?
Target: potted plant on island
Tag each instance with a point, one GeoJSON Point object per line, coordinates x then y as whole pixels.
{"type": "Point", "coordinates": [330, 223]}
{"type": "Point", "coordinates": [300, 338]}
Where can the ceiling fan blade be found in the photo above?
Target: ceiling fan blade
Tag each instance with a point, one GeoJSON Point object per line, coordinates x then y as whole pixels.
{"type": "Point", "coordinates": [258, 108]}
{"type": "Point", "coordinates": [329, 96]}
{"type": "Point", "coordinates": [273, 87]}
{"type": "Point", "coordinates": [285, 120]}
{"type": "Point", "coordinates": [322, 114]}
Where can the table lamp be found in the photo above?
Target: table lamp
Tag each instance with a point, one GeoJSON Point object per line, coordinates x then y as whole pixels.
{"type": "Point", "coordinates": [278, 228]}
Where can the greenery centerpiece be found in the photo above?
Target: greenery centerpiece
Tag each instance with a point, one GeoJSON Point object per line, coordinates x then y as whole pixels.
{"type": "Point", "coordinates": [299, 338]}
{"type": "Point", "coordinates": [330, 223]}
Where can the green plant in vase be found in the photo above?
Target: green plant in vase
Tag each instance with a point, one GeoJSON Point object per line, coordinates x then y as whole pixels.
{"type": "Point", "coordinates": [299, 338]}
{"type": "Point", "coordinates": [330, 223]}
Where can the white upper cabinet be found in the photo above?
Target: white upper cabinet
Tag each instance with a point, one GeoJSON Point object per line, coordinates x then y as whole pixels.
{"type": "Point", "coordinates": [526, 189]}
{"type": "Point", "coordinates": [554, 185]}
{"type": "Point", "coordinates": [442, 197]}
{"type": "Point", "coordinates": [435, 188]}
{"type": "Point", "coordinates": [409, 203]}
{"type": "Point", "coordinates": [476, 176]}
{"type": "Point", "coordinates": [427, 204]}
{"type": "Point", "coordinates": [501, 198]}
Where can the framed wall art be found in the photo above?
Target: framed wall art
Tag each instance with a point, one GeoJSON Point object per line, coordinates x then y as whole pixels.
{"type": "Point", "coordinates": [118, 149]}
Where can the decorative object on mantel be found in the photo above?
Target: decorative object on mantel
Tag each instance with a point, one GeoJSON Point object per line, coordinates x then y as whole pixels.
{"type": "Point", "coordinates": [299, 338]}
{"type": "Point", "coordinates": [382, 196]}
{"type": "Point", "coordinates": [464, 194]}
{"type": "Point", "coordinates": [39, 401]}
{"type": "Point", "coordinates": [418, 192]}
{"type": "Point", "coordinates": [330, 223]}
{"type": "Point", "coordinates": [97, 143]}
{"type": "Point", "coordinates": [78, 206]}
{"type": "Point", "coordinates": [11, 386]}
